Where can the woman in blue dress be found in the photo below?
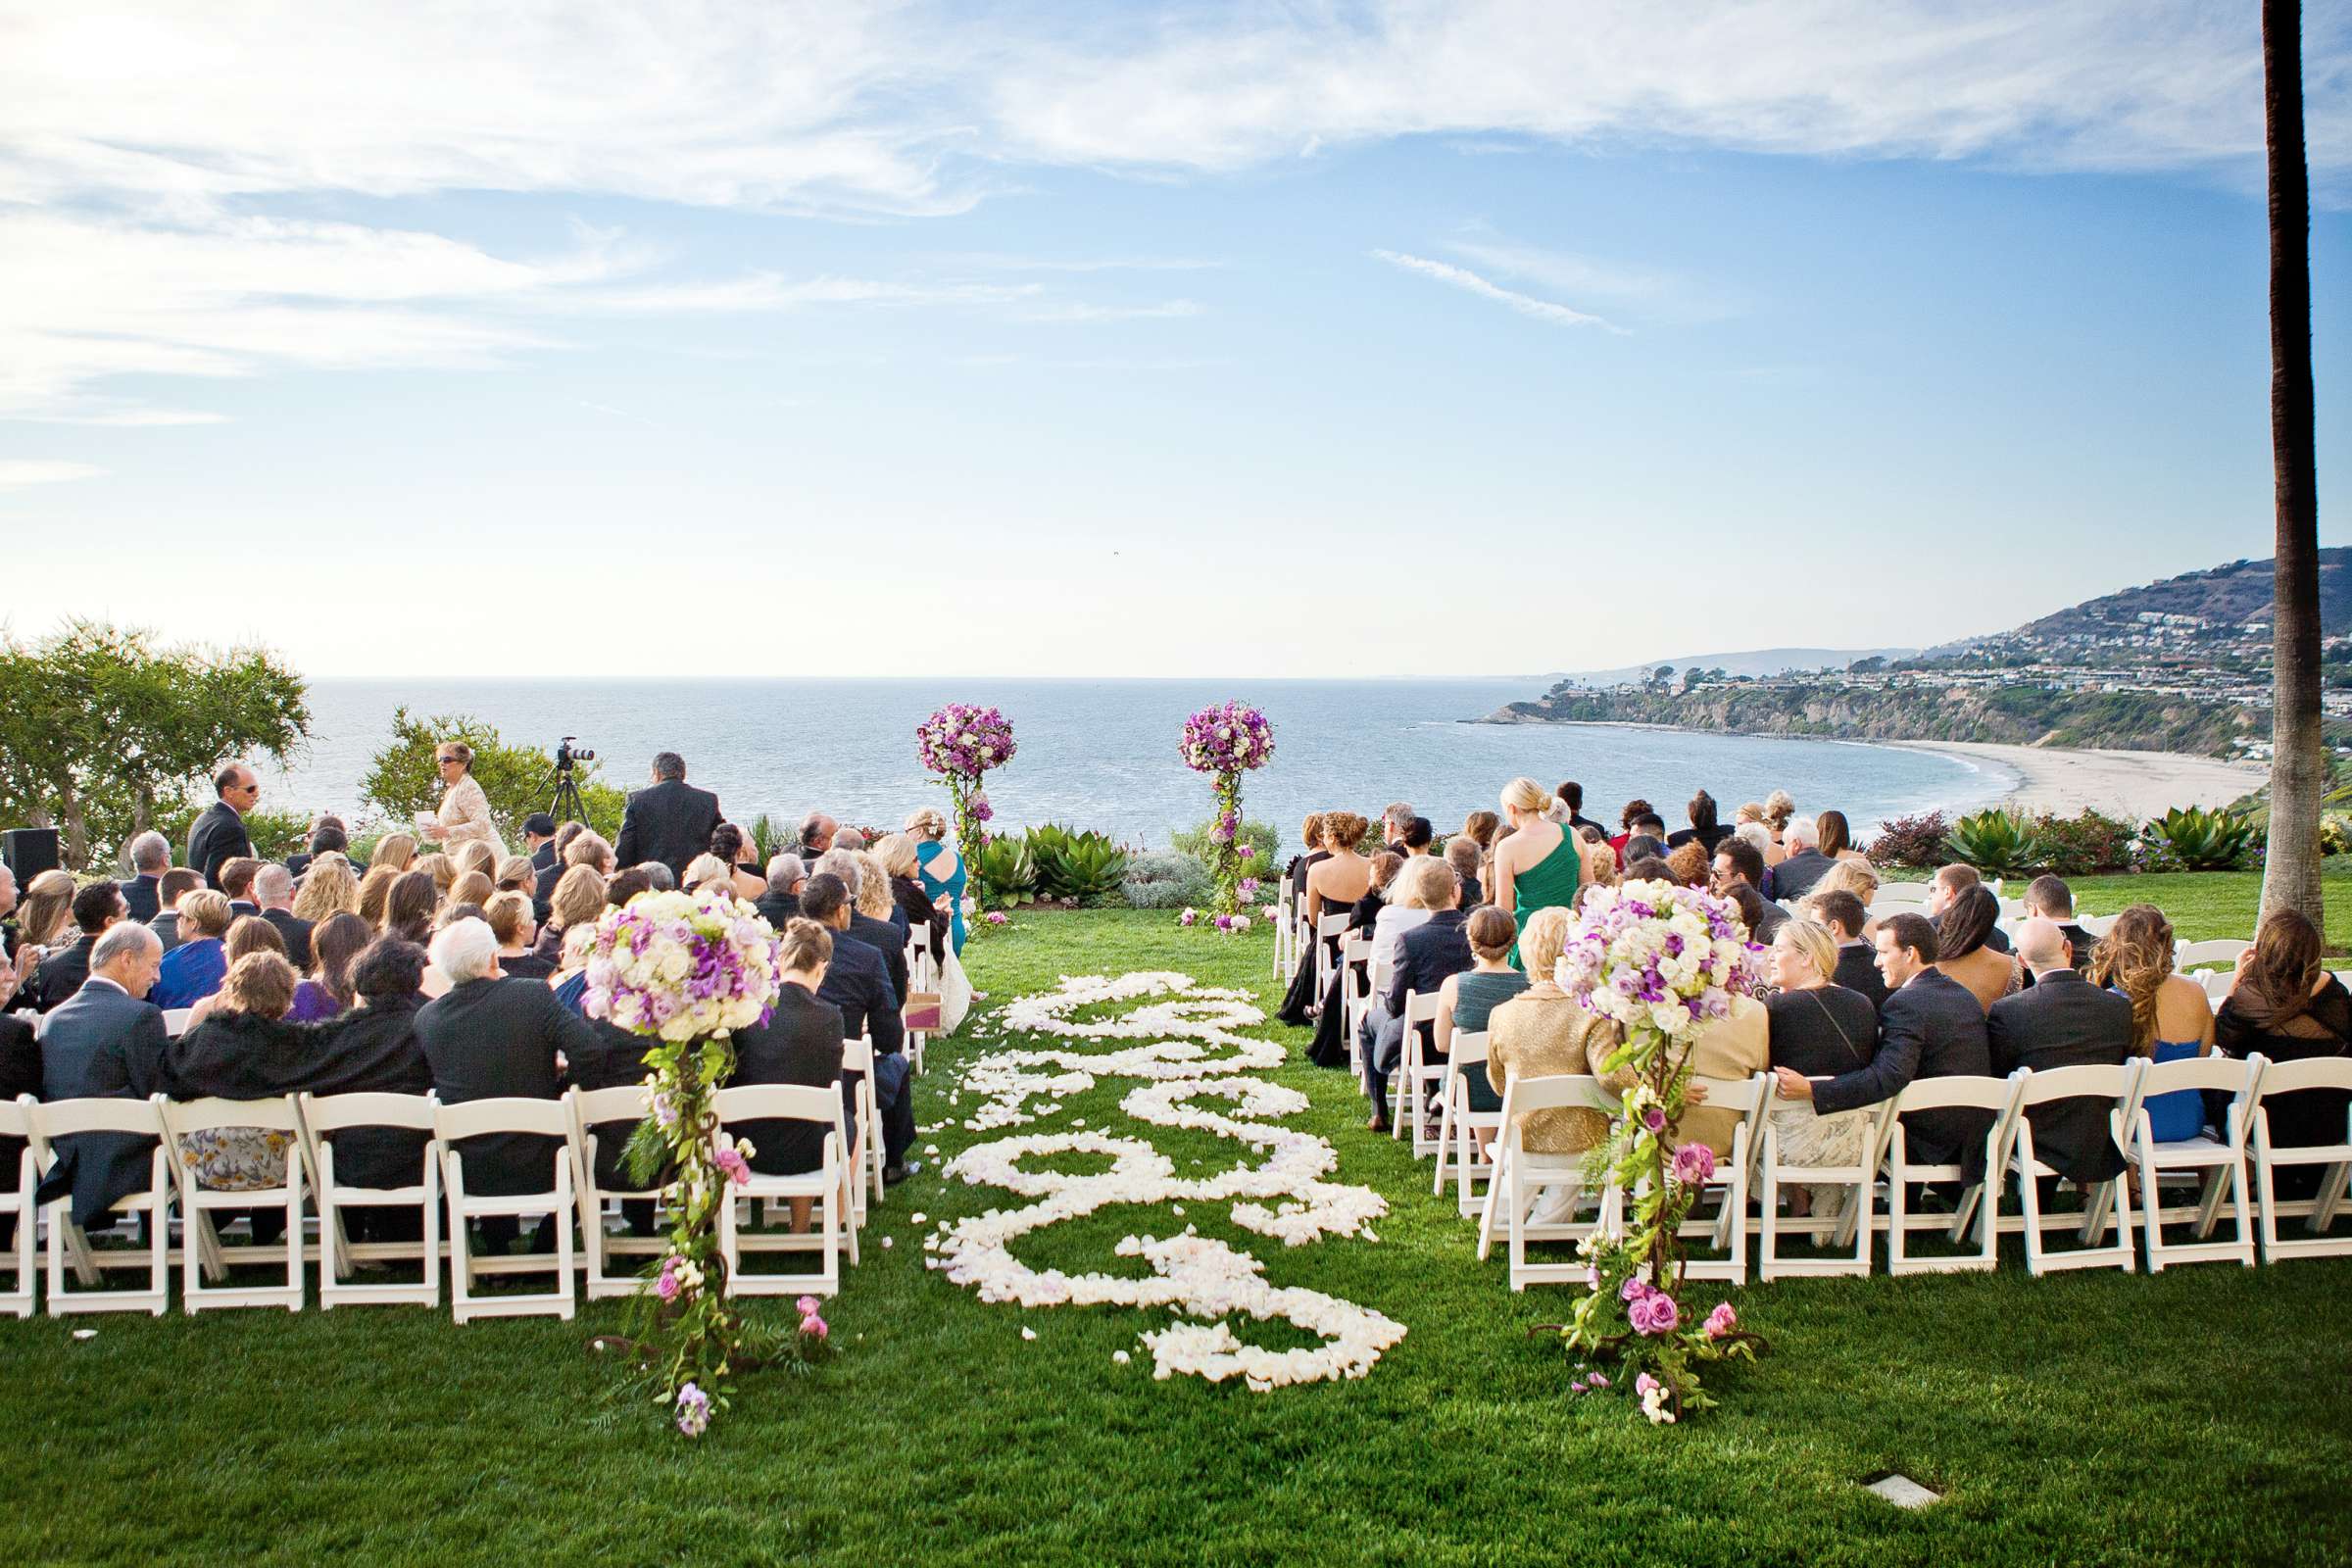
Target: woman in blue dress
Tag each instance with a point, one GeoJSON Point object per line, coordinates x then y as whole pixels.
{"type": "Point", "coordinates": [940, 867]}
{"type": "Point", "coordinates": [2170, 1018]}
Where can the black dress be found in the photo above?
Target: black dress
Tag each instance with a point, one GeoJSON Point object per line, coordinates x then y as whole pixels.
{"type": "Point", "coordinates": [799, 1044]}
{"type": "Point", "coordinates": [2309, 1116]}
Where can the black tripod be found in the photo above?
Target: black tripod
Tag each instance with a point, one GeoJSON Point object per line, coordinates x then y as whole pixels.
{"type": "Point", "coordinates": [563, 794]}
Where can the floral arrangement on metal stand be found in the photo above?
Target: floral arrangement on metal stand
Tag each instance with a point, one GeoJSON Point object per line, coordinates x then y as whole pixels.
{"type": "Point", "coordinates": [1226, 741]}
{"type": "Point", "coordinates": [1661, 961]}
{"type": "Point", "coordinates": [960, 743]}
{"type": "Point", "coordinates": [688, 969]}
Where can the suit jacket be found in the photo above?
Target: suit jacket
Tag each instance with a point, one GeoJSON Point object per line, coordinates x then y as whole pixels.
{"type": "Point", "coordinates": [544, 891]}
{"type": "Point", "coordinates": [857, 981]}
{"type": "Point", "coordinates": [498, 1039]}
{"type": "Point", "coordinates": [166, 926]}
{"type": "Point", "coordinates": [216, 835]}
{"type": "Point", "coordinates": [670, 823]}
{"type": "Point", "coordinates": [1931, 1028]}
{"type": "Point", "coordinates": [20, 1074]}
{"type": "Point", "coordinates": [1858, 971]}
{"type": "Point", "coordinates": [544, 856]}
{"type": "Point", "coordinates": [799, 1044]}
{"type": "Point", "coordinates": [776, 909]}
{"type": "Point", "coordinates": [2081, 942]}
{"type": "Point", "coordinates": [2065, 1021]}
{"type": "Point", "coordinates": [1427, 956]}
{"type": "Point", "coordinates": [1795, 877]}
{"type": "Point", "coordinates": [103, 1043]}
{"type": "Point", "coordinates": [889, 940]}
{"type": "Point", "coordinates": [139, 892]}
{"type": "Point", "coordinates": [297, 935]}
{"type": "Point", "coordinates": [60, 974]}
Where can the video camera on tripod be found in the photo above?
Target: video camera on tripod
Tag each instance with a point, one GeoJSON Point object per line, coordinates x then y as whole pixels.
{"type": "Point", "coordinates": [563, 792]}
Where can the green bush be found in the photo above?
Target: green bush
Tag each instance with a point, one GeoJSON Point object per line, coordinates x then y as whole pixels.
{"type": "Point", "coordinates": [402, 780]}
{"type": "Point", "coordinates": [1998, 842]}
{"type": "Point", "coordinates": [2077, 845]}
{"type": "Point", "coordinates": [1198, 843]}
{"type": "Point", "coordinates": [1008, 872]}
{"type": "Point", "coordinates": [2197, 840]}
{"type": "Point", "coordinates": [1078, 867]}
{"type": "Point", "coordinates": [1168, 881]}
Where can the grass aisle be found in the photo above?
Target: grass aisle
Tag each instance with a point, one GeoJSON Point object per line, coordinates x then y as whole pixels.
{"type": "Point", "coordinates": [2197, 1416]}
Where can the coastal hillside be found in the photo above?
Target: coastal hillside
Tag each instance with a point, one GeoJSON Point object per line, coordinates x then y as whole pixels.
{"type": "Point", "coordinates": [2225, 606]}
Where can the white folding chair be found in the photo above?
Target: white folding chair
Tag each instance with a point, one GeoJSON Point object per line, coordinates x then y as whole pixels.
{"type": "Point", "coordinates": [1359, 982]}
{"type": "Point", "coordinates": [2119, 1086]}
{"type": "Point", "coordinates": [2223, 951]}
{"type": "Point", "coordinates": [2098, 925]}
{"type": "Point", "coordinates": [1458, 1126]}
{"type": "Point", "coordinates": [1882, 909]}
{"type": "Point", "coordinates": [1286, 932]}
{"type": "Point", "coordinates": [548, 1118]}
{"type": "Point", "coordinates": [1728, 1229]}
{"type": "Point", "coordinates": [2217, 984]}
{"type": "Point", "coordinates": [1331, 932]}
{"type": "Point", "coordinates": [175, 1021]}
{"type": "Point", "coordinates": [866, 1166]}
{"type": "Point", "coordinates": [2217, 1169]}
{"type": "Point", "coordinates": [592, 1108]}
{"type": "Point", "coordinates": [922, 974]}
{"type": "Point", "coordinates": [323, 1116]}
{"type": "Point", "coordinates": [2320, 1211]}
{"type": "Point", "coordinates": [203, 1255]}
{"type": "Point", "coordinates": [1849, 1223]}
{"type": "Point", "coordinates": [15, 1203]}
{"type": "Point", "coordinates": [1417, 1077]}
{"type": "Point", "coordinates": [1521, 1174]}
{"type": "Point", "coordinates": [824, 1186]}
{"type": "Point", "coordinates": [66, 1119]}
{"type": "Point", "coordinates": [1997, 1097]}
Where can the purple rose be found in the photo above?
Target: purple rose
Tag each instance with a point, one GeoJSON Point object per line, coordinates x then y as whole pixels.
{"type": "Point", "coordinates": [1654, 1119]}
{"type": "Point", "coordinates": [1693, 1163]}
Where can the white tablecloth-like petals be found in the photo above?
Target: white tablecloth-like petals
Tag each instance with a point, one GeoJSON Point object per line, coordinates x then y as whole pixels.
{"type": "Point", "coordinates": [1191, 1059]}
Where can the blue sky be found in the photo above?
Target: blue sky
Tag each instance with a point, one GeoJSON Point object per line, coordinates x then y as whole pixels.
{"type": "Point", "coordinates": [1374, 340]}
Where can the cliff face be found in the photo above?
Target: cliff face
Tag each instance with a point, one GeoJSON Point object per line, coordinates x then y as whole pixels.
{"type": "Point", "coordinates": [2022, 716]}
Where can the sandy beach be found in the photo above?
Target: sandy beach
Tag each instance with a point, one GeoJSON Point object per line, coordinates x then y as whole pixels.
{"type": "Point", "coordinates": [2132, 784]}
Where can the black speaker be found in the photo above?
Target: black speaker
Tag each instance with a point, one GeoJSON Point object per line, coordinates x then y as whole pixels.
{"type": "Point", "coordinates": [28, 851]}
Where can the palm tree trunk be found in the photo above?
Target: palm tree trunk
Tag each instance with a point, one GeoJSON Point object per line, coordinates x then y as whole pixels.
{"type": "Point", "coordinates": [2300, 772]}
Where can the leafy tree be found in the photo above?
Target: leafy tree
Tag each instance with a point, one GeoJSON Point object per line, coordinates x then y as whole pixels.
{"type": "Point", "coordinates": [401, 779]}
{"type": "Point", "coordinates": [1662, 674]}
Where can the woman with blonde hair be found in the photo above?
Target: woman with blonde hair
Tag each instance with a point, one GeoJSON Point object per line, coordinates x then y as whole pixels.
{"type": "Point", "coordinates": [1540, 864]}
{"type": "Point", "coordinates": [704, 869]}
{"type": "Point", "coordinates": [476, 856]}
{"type": "Point", "coordinates": [374, 888]}
{"type": "Point", "coordinates": [46, 916]}
{"type": "Point", "coordinates": [1856, 876]}
{"type": "Point", "coordinates": [896, 852]}
{"type": "Point", "coordinates": [2170, 1018]}
{"type": "Point", "coordinates": [470, 887]}
{"type": "Point", "coordinates": [440, 868]}
{"type": "Point", "coordinates": [329, 887]}
{"type": "Point", "coordinates": [575, 905]}
{"type": "Point", "coordinates": [395, 850]}
{"type": "Point", "coordinates": [939, 868]}
{"type": "Point", "coordinates": [517, 874]}
{"type": "Point", "coordinates": [1312, 853]}
{"type": "Point", "coordinates": [876, 900]}
{"type": "Point", "coordinates": [464, 815]}
{"type": "Point", "coordinates": [1818, 1029]}
{"type": "Point", "coordinates": [1545, 1032]}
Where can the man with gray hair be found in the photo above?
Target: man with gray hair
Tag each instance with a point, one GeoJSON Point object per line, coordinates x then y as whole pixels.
{"type": "Point", "coordinates": [817, 835]}
{"type": "Point", "coordinates": [1805, 865]}
{"type": "Point", "coordinates": [274, 891]}
{"type": "Point", "coordinates": [150, 857]}
{"type": "Point", "coordinates": [882, 935]}
{"type": "Point", "coordinates": [1393, 823]}
{"type": "Point", "coordinates": [787, 874]}
{"type": "Point", "coordinates": [843, 863]}
{"type": "Point", "coordinates": [106, 1041]}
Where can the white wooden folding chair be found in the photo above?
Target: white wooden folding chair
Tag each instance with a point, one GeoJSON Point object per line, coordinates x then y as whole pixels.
{"type": "Point", "coordinates": [48, 1122]}
{"type": "Point", "coordinates": [1521, 1174]}
{"type": "Point", "coordinates": [592, 1108]}
{"type": "Point", "coordinates": [922, 974]}
{"type": "Point", "coordinates": [1997, 1097]}
{"type": "Point", "coordinates": [2217, 984]}
{"type": "Point", "coordinates": [1417, 1077]}
{"type": "Point", "coordinates": [175, 1021]}
{"type": "Point", "coordinates": [865, 1164]}
{"type": "Point", "coordinates": [1728, 1228]}
{"type": "Point", "coordinates": [2119, 1086]}
{"type": "Point", "coordinates": [2320, 1211]}
{"type": "Point", "coordinates": [2217, 1169]}
{"type": "Point", "coordinates": [824, 1186]}
{"type": "Point", "coordinates": [1331, 932]}
{"type": "Point", "coordinates": [2098, 925]}
{"type": "Point", "coordinates": [1458, 1126]}
{"type": "Point", "coordinates": [2220, 950]}
{"type": "Point", "coordinates": [203, 1254]}
{"type": "Point", "coordinates": [546, 1118]}
{"type": "Point", "coordinates": [1286, 931]}
{"type": "Point", "coordinates": [1359, 982]}
{"type": "Point", "coordinates": [15, 1203]}
{"type": "Point", "coordinates": [323, 1116]}
{"type": "Point", "coordinates": [1850, 1224]}
{"type": "Point", "coordinates": [1882, 909]}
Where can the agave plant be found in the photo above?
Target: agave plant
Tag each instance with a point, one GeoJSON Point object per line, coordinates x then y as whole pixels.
{"type": "Point", "coordinates": [1008, 872]}
{"type": "Point", "coordinates": [1998, 842]}
{"type": "Point", "coordinates": [1078, 865]}
{"type": "Point", "coordinates": [2198, 840]}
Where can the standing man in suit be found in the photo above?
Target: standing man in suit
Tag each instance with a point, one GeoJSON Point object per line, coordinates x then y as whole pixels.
{"type": "Point", "coordinates": [2063, 1020]}
{"type": "Point", "coordinates": [60, 974]}
{"type": "Point", "coordinates": [105, 1042]}
{"type": "Point", "coordinates": [1931, 1027]}
{"type": "Point", "coordinates": [218, 835]}
{"type": "Point", "coordinates": [1857, 960]}
{"type": "Point", "coordinates": [150, 857]}
{"type": "Point", "coordinates": [672, 822]}
{"type": "Point", "coordinates": [274, 891]}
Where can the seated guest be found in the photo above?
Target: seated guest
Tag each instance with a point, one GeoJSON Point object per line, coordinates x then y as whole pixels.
{"type": "Point", "coordinates": [1392, 825]}
{"type": "Point", "coordinates": [1310, 855]}
{"type": "Point", "coordinates": [1738, 868]}
{"type": "Point", "coordinates": [150, 856]}
{"type": "Point", "coordinates": [2283, 1006]}
{"type": "Point", "coordinates": [1779, 808]}
{"type": "Point", "coordinates": [1688, 862]}
{"type": "Point", "coordinates": [850, 839]}
{"type": "Point", "coordinates": [193, 970]}
{"type": "Point", "coordinates": [1365, 914]}
{"type": "Point", "coordinates": [896, 852]}
{"type": "Point", "coordinates": [247, 1021]}
{"type": "Point", "coordinates": [878, 900]}
{"type": "Point", "coordinates": [1931, 1027]}
{"type": "Point", "coordinates": [1636, 811]}
{"type": "Point", "coordinates": [658, 877]}
{"type": "Point", "coordinates": [335, 945]}
{"type": "Point", "coordinates": [799, 1044]}
{"type": "Point", "coordinates": [734, 845]}
{"type": "Point", "coordinates": [396, 851]}
{"type": "Point", "coordinates": [517, 874]}
{"type": "Point", "coordinates": [1703, 827]}
{"type": "Point", "coordinates": [20, 1074]}
{"type": "Point", "coordinates": [1467, 998]}
{"type": "Point", "coordinates": [1961, 937]}
{"type": "Point", "coordinates": [376, 888]}
{"type": "Point", "coordinates": [1649, 868]}
{"type": "Point", "coordinates": [328, 888]}
{"type": "Point", "coordinates": [1333, 886]}
{"type": "Point", "coordinates": [876, 932]}
{"type": "Point", "coordinates": [1601, 861]}
{"type": "Point", "coordinates": [1819, 1029]}
{"type": "Point", "coordinates": [590, 850]}
{"type": "Point", "coordinates": [476, 860]}
{"type": "Point", "coordinates": [63, 970]}
{"type": "Point", "coordinates": [46, 922]}
{"type": "Point", "coordinates": [1753, 813]}
{"type": "Point", "coordinates": [173, 886]}
{"type": "Point", "coordinates": [1837, 839]}
{"type": "Point", "coordinates": [780, 904]}
{"type": "Point", "coordinates": [492, 1037]}
{"type": "Point", "coordinates": [1945, 886]}
{"type": "Point", "coordinates": [1428, 909]}
{"type": "Point", "coordinates": [509, 915]}
{"type": "Point", "coordinates": [273, 892]}
{"type": "Point", "coordinates": [409, 907]}
{"type": "Point", "coordinates": [1542, 1032]}
{"type": "Point", "coordinates": [552, 868]}
{"type": "Point", "coordinates": [1857, 968]}
{"type": "Point", "coordinates": [578, 902]}
{"type": "Point", "coordinates": [2170, 1018]}
{"type": "Point", "coordinates": [440, 870]}
{"type": "Point", "coordinates": [236, 880]}
{"type": "Point", "coordinates": [1462, 855]}
{"type": "Point", "coordinates": [540, 845]}
{"type": "Point", "coordinates": [105, 1042]}
{"type": "Point", "coordinates": [1572, 796]}
{"type": "Point", "coordinates": [622, 886]}
{"type": "Point", "coordinates": [331, 840]}
{"type": "Point", "coordinates": [856, 982]}
{"type": "Point", "coordinates": [1857, 877]}
{"type": "Point", "coordinates": [708, 870]}
{"type": "Point", "coordinates": [671, 822]}
{"type": "Point", "coordinates": [2062, 1021]}
{"type": "Point", "coordinates": [817, 835]}
{"type": "Point", "coordinates": [1481, 827]}
{"type": "Point", "coordinates": [1803, 865]}
{"type": "Point", "coordinates": [373, 1048]}
{"type": "Point", "coordinates": [1735, 1046]}
{"type": "Point", "coordinates": [2050, 899]}
{"type": "Point", "coordinates": [1419, 835]}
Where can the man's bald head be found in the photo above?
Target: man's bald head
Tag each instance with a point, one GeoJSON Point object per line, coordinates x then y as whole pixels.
{"type": "Point", "coordinates": [2042, 945]}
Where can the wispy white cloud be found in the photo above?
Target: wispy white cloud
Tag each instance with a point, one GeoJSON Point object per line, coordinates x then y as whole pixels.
{"type": "Point", "coordinates": [1525, 303]}
{"type": "Point", "coordinates": [17, 472]}
{"type": "Point", "coordinates": [1655, 291]}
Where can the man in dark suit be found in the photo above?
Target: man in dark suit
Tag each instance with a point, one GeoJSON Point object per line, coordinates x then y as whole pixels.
{"type": "Point", "coordinates": [1425, 955]}
{"type": "Point", "coordinates": [539, 840]}
{"type": "Point", "coordinates": [175, 884]}
{"type": "Point", "coordinates": [274, 891]}
{"type": "Point", "coordinates": [328, 836]}
{"type": "Point", "coordinates": [672, 821]}
{"type": "Point", "coordinates": [150, 857]}
{"type": "Point", "coordinates": [1572, 795]}
{"type": "Point", "coordinates": [885, 937]}
{"type": "Point", "coordinates": [1857, 959]}
{"type": "Point", "coordinates": [236, 880]}
{"type": "Point", "coordinates": [1740, 864]}
{"type": "Point", "coordinates": [218, 835]}
{"type": "Point", "coordinates": [1805, 865]}
{"type": "Point", "coordinates": [20, 1074]}
{"type": "Point", "coordinates": [1931, 1027]}
{"type": "Point", "coordinates": [553, 871]}
{"type": "Point", "coordinates": [787, 874]}
{"type": "Point", "coordinates": [2048, 898]}
{"type": "Point", "coordinates": [2063, 1020]}
{"type": "Point", "coordinates": [857, 981]}
{"type": "Point", "coordinates": [60, 974]}
{"type": "Point", "coordinates": [105, 1042]}
{"type": "Point", "coordinates": [490, 1037]}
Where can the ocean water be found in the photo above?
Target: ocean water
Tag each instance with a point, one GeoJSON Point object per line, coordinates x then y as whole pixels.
{"type": "Point", "coordinates": [1103, 754]}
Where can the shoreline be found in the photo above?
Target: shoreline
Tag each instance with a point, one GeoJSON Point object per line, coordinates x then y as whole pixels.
{"type": "Point", "coordinates": [2132, 784]}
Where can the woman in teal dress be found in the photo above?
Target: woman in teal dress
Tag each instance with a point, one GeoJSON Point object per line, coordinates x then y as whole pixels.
{"type": "Point", "coordinates": [1540, 865]}
{"type": "Point", "coordinates": [940, 867]}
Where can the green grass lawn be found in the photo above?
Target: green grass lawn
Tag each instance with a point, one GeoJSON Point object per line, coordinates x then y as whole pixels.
{"type": "Point", "coordinates": [2203, 906]}
{"type": "Point", "coordinates": [2198, 1416]}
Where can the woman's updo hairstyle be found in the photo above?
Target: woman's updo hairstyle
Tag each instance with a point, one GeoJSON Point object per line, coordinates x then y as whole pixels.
{"type": "Point", "coordinates": [1526, 795]}
{"type": "Point", "coordinates": [804, 945]}
{"type": "Point", "coordinates": [1344, 830]}
{"type": "Point", "coordinates": [1492, 931]}
{"type": "Point", "coordinates": [927, 822]}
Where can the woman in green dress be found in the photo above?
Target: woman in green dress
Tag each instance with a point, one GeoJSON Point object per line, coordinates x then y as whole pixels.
{"type": "Point", "coordinates": [1539, 864]}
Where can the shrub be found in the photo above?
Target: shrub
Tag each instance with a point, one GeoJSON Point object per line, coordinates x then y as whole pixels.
{"type": "Point", "coordinates": [1999, 842]}
{"type": "Point", "coordinates": [2196, 839]}
{"type": "Point", "coordinates": [1915, 842]}
{"type": "Point", "coordinates": [1008, 872]}
{"type": "Point", "coordinates": [1166, 882]}
{"type": "Point", "coordinates": [1262, 834]}
{"type": "Point", "coordinates": [2077, 846]}
{"type": "Point", "coordinates": [2335, 835]}
{"type": "Point", "coordinates": [1079, 866]}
